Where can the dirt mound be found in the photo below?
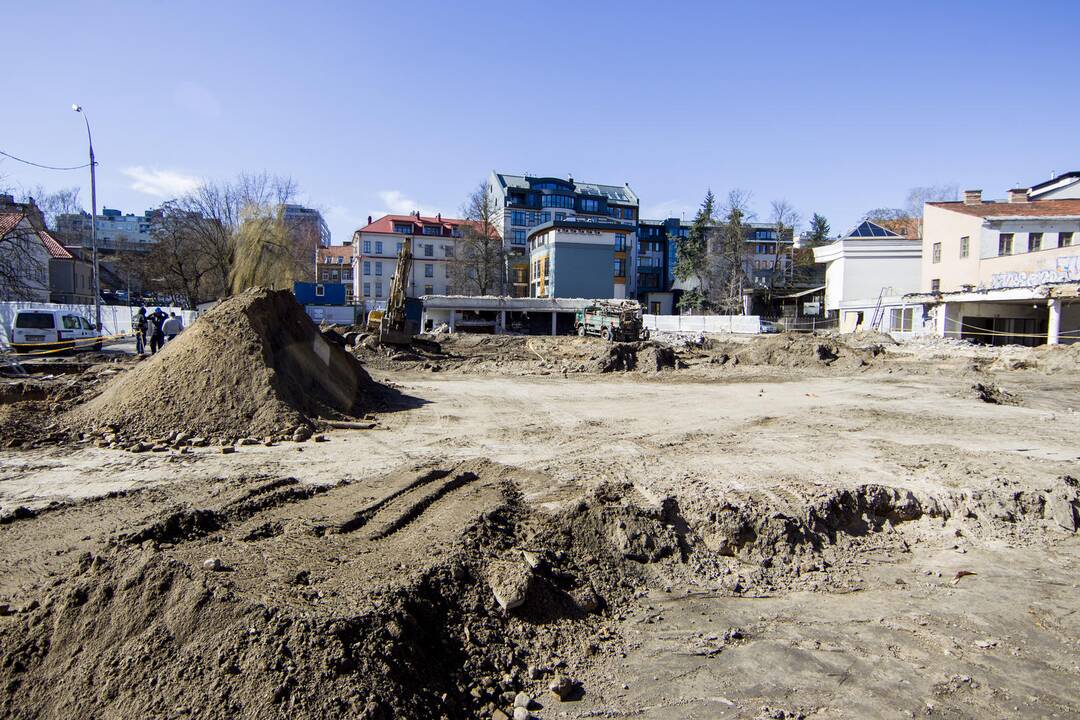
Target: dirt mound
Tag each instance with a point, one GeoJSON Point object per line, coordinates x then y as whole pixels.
{"type": "Point", "coordinates": [1058, 358]}
{"type": "Point", "coordinates": [254, 365]}
{"type": "Point", "coordinates": [798, 351]}
{"type": "Point", "coordinates": [644, 356]}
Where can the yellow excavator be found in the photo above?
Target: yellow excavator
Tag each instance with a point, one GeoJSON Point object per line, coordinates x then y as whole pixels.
{"type": "Point", "coordinates": [391, 324]}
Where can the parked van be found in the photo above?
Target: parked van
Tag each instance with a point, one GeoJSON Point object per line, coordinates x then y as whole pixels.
{"type": "Point", "coordinates": [38, 330]}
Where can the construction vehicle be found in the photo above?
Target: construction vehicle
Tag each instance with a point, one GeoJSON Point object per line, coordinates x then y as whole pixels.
{"type": "Point", "coordinates": [613, 320]}
{"type": "Point", "coordinates": [393, 325]}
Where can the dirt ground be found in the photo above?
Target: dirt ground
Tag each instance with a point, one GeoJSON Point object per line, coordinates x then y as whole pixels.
{"type": "Point", "coordinates": [773, 528]}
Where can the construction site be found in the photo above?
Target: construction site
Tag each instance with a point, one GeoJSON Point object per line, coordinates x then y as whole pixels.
{"type": "Point", "coordinates": [272, 519]}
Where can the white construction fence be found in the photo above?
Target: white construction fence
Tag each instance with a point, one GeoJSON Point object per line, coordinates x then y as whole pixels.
{"type": "Point", "coordinates": [115, 319]}
{"type": "Point", "coordinates": [745, 324]}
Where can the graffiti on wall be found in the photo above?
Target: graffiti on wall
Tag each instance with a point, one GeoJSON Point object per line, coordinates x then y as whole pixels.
{"type": "Point", "coordinates": [1066, 269]}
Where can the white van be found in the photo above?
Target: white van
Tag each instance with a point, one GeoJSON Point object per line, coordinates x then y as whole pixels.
{"type": "Point", "coordinates": [39, 330]}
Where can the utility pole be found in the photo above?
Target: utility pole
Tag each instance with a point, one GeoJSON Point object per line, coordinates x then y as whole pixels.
{"type": "Point", "coordinates": [93, 219]}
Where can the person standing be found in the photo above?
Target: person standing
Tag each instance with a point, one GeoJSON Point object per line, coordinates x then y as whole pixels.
{"type": "Point", "coordinates": [172, 326]}
{"type": "Point", "coordinates": [157, 330]}
{"type": "Point", "coordinates": [138, 324]}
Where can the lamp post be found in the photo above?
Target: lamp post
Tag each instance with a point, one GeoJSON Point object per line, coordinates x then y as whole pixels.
{"type": "Point", "coordinates": [93, 219]}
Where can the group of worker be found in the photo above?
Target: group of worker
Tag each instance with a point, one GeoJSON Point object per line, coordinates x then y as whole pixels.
{"type": "Point", "coordinates": [157, 327]}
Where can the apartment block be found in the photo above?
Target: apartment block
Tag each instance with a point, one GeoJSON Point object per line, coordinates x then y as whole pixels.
{"type": "Point", "coordinates": [334, 264]}
{"type": "Point", "coordinates": [375, 251]}
{"type": "Point", "coordinates": [525, 202]}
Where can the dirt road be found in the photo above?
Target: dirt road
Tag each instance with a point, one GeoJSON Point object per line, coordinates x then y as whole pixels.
{"type": "Point", "coordinates": [759, 548]}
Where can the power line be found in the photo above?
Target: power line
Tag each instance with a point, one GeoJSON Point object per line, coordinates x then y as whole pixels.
{"type": "Point", "coordinates": [47, 167]}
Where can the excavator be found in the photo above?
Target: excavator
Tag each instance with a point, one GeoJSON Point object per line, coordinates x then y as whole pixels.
{"type": "Point", "coordinates": [391, 325]}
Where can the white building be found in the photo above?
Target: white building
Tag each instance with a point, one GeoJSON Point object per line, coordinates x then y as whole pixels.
{"type": "Point", "coordinates": [375, 252]}
{"type": "Point", "coordinates": [1005, 271]}
{"type": "Point", "coordinates": [115, 229]}
{"type": "Point", "coordinates": [868, 272]}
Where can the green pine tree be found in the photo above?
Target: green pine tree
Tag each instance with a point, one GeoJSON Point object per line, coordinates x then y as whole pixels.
{"type": "Point", "coordinates": [692, 256]}
{"type": "Point", "coordinates": [819, 231]}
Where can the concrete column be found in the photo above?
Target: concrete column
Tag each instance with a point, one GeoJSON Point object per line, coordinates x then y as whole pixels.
{"type": "Point", "coordinates": [453, 316]}
{"type": "Point", "coordinates": [1053, 329]}
{"type": "Point", "coordinates": [554, 321]}
{"type": "Point", "coordinates": [942, 320]}
{"type": "Point", "coordinates": [502, 322]}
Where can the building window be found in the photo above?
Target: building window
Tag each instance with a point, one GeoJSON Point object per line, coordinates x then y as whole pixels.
{"type": "Point", "coordinates": [346, 275]}
{"type": "Point", "coordinates": [403, 228]}
{"type": "Point", "coordinates": [367, 267]}
{"type": "Point", "coordinates": [399, 246]}
{"type": "Point", "coordinates": [367, 247]}
{"type": "Point", "coordinates": [517, 217]}
{"type": "Point", "coordinates": [1065, 239]}
{"type": "Point", "coordinates": [557, 201]}
{"type": "Point", "coordinates": [901, 319]}
{"type": "Point", "coordinates": [1034, 242]}
{"type": "Point", "coordinates": [937, 253]}
{"type": "Point", "coordinates": [378, 268]}
{"type": "Point", "coordinates": [433, 230]}
{"type": "Point", "coordinates": [367, 289]}
{"type": "Point", "coordinates": [429, 289]}
{"type": "Point", "coordinates": [448, 271]}
{"type": "Point", "coordinates": [429, 270]}
{"type": "Point", "coordinates": [326, 275]}
{"type": "Point", "coordinates": [935, 285]}
{"type": "Point", "coordinates": [620, 267]}
{"type": "Point", "coordinates": [378, 247]}
{"type": "Point", "coordinates": [588, 205]}
{"type": "Point", "coordinates": [1005, 244]}
{"type": "Point", "coordinates": [965, 246]}
{"type": "Point", "coordinates": [319, 291]}
{"type": "Point", "coordinates": [620, 242]}
{"type": "Point", "coordinates": [334, 275]}
{"type": "Point", "coordinates": [518, 237]}
{"type": "Point", "coordinates": [378, 288]}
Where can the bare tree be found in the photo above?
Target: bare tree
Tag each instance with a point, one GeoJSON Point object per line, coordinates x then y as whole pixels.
{"type": "Point", "coordinates": [729, 253]}
{"type": "Point", "coordinates": [785, 218]}
{"type": "Point", "coordinates": [59, 202]}
{"type": "Point", "coordinates": [24, 265]}
{"type": "Point", "coordinates": [215, 218]}
{"type": "Point", "coordinates": [479, 264]}
{"type": "Point", "coordinates": [907, 221]}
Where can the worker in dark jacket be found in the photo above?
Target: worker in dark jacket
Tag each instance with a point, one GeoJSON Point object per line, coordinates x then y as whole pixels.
{"type": "Point", "coordinates": [138, 325]}
{"type": "Point", "coordinates": [157, 330]}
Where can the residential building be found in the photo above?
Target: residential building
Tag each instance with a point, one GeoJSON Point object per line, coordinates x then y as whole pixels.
{"type": "Point", "coordinates": [868, 273]}
{"type": "Point", "coordinates": [37, 266]}
{"type": "Point", "coordinates": [525, 202]}
{"type": "Point", "coordinates": [375, 252]}
{"type": "Point", "coordinates": [116, 231]}
{"type": "Point", "coordinates": [306, 226]}
{"type": "Point", "coordinates": [1005, 271]}
{"type": "Point", "coordinates": [657, 242]}
{"type": "Point", "coordinates": [579, 257]}
{"type": "Point", "coordinates": [334, 264]}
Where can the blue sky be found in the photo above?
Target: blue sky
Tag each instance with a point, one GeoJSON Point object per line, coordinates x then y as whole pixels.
{"type": "Point", "coordinates": [837, 107]}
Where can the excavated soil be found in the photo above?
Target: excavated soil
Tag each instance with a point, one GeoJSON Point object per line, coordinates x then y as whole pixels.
{"type": "Point", "coordinates": [844, 542]}
{"type": "Point", "coordinates": [254, 365]}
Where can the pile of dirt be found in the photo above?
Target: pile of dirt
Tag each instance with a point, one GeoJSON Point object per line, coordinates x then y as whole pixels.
{"type": "Point", "coordinates": [254, 365]}
{"type": "Point", "coordinates": [798, 351]}
{"type": "Point", "coordinates": [644, 356]}
{"type": "Point", "coordinates": [990, 393]}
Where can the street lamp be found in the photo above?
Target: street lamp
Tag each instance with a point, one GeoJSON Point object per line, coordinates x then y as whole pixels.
{"type": "Point", "coordinates": [93, 219]}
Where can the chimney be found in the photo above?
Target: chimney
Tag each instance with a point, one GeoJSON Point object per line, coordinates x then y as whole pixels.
{"type": "Point", "coordinates": [438, 216]}
{"type": "Point", "coordinates": [972, 197]}
{"type": "Point", "coordinates": [1018, 195]}
{"type": "Point", "coordinates": [368, 219]}
{"type": "Point", "coordinates": [417, 214]}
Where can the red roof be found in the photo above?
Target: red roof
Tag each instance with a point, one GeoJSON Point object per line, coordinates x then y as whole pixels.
{"type": "Point", "coordinates": [55, 249]}
{"type": "Point", "coordinates": [385, 224]}
{"type": "Point", "coordinates": [1034, 208]}
{"type": "Point", "coordinates": [8, 221]}
{"type": "Point", "coordinates": [335, 251]}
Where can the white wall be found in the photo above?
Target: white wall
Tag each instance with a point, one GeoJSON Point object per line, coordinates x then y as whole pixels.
{"type": "Point", "coordinates": [115, 319]}
{"type": "Point", "coordinates": [746, 324]}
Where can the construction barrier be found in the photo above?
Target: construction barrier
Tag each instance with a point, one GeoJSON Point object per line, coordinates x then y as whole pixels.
{"type": "Point", "coordinates": [744, 324]}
